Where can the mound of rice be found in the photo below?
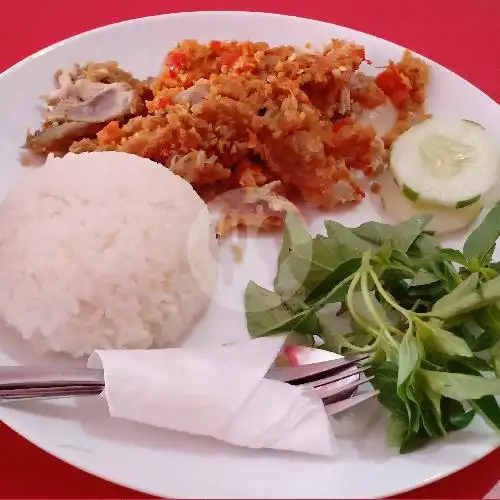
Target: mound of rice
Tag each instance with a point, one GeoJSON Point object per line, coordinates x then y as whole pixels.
{"type": "Point", "coordinates": [102, 251]}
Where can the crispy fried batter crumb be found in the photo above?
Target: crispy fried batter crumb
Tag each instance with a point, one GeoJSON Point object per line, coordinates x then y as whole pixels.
{"type": "Point", "coordinates": [405, 83]}
{"type": "Point", "coordinates": [237, 253]}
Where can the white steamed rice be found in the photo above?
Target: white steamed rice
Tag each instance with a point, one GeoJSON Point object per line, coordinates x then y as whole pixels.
{"type": "Point", "coordinates": [104, 250]}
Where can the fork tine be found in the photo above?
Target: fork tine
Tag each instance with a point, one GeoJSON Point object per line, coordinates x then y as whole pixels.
{"type": "Point", "coordinates": [335, 391]}
{"type": "Point", "coordinates": [346, 404]}
{"type": "Point", "coordinates": [37, 392]}
{"type": "Point", "coordinates": [345, 373]}
{"type": "Point", "coordinates": [314, 371]}
{"type": "Point", "coordinates": [46, 395]}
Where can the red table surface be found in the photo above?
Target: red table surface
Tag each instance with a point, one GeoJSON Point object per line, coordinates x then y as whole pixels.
{"type": "Point", "coordinates": [460, 34]}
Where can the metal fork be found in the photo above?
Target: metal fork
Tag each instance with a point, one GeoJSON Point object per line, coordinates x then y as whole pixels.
{"type": "Point", "coordinates": [335, 381]}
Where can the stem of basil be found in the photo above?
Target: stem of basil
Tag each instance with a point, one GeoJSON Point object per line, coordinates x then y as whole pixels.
{"type": "Point", "coordinates": [366, 296]}
{"type": "Point", "coordinates": [318, 305]}
{"type": "Point", "coordinates": [387, 297]}
{"type": "Point", "coordinates": [352, 308]}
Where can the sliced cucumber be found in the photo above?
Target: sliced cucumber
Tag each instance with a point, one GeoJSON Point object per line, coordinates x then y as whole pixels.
{"type": "Point", "coordinates": [444, 219]}
{"type": "Point", "coordinates": [450, 163]}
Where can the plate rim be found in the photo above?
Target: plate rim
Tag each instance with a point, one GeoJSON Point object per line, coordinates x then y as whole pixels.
{"type": "Point", "coordinates": [217, 13]}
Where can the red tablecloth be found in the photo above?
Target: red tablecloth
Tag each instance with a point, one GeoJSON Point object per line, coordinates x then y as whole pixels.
{"type": "Point", "coordinates": [460, 34]}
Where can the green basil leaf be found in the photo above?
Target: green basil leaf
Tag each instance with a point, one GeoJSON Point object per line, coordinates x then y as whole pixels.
{"type": "Point", "coordinates": [431, 419]}
{"type": "Point", "coordinates": [487, 273]}
{"type": "Point", "coordinates": [460, 386]}
{"type": "Point", "coordinates": [413, 405]}
{"type": "Point", "coordinates": [333, 340]}
{"type": "Point", "coordinates": [403, 235]}
{"type": "Point", "coordinates": [495, 358]}
{"type": "Point", "coordinates": [451, 277]}
{"type": "Point", "coordinates": [326, 288]}
{"type": "Point", "coordinates": [309, 264]}
{"type": "Point", "coordinates": [489, 320]}
{"type": "Point", "coordinates": [408, 357]}
{"type": "Point", "coordinates": [480, 242]}
{"type": "Point", "coordinates": [398, 400]}
{"type": "Point", "coordinates": [409, 230]}
{"type": "Point", "coordinates": [433, 291]}
{"type": "Point", "coordinates": [486, 341]}
{"type": "Point", "coordinates": [490, 291]}
{"type": "Point", "coordinates": [438, 406]}
{"type": "Point", "coordinates": [464, 331]}
{"type": "Point", "coordinates": [454, 256]}
{"type": "Point", "coordinates": [347, 238]}
{"type": "Point", "coordinates": [454, 415]}
{"type": "Point", "coordinates": [397, 431]}
{"type": "Point", "coordinates": [375, 232]}
{"type": "Point", "coordinates": [415, 441]}
{"type": "Point", "coordinates": [399, 257]}
{"type": "Point", "coordinates": [385, 381]}
{"type": "Point", "coordinates": [438, 269]}
{"type": "Point", "coordinates": [462, 301]}
{"type": "Point", "coordinates": [487, 407]}
{"type": "Point", "coordinates": [469, 366]}
{"type": "Point", "coordinates": [478, 364]}
{"type": "Point", "coordinates": [423, 278]}
{"type": "Point", "coordinates": [434, 400]}
{"type": "Point", "coordinates": [424, 249]}
{"type": "Point", "coordinates": [267, 314]}
{"type": "Point", "coordinates": [294, 233]}
{"type": "Point", "coordinates": [486, 260]}
{"type": "Point", "coordinates": [463, 298]}
{"type": "Point", "coordinates": [359, 336]}
{"type": "Point", "coordinates": [385, 252]}
{"type": "Point", "coordinates": [435, 338]}
{"type": "Point", "coordinates": [489, 410]}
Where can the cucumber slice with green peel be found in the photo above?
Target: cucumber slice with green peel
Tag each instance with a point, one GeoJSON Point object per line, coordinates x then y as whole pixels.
{"type": "Point", "coordinates": [444, 219]}
{"type": "Point", "coordinates": [470, 201]}
{"type": "Point", "coordinates": [445, 162]}
{"type": "Point", "coordinates": [409, 193]}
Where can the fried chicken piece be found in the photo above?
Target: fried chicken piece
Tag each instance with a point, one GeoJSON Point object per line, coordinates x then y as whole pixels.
{"type": "Point", "coordinates": [263, 208]}
{"type": "Point", "coordinates": [110, 72]}
{"type": "Point", "coordinates": [230, 115]}
{"type": "Point", "coordinates": [237, 119]}
{"type": "Point", "coordinates": [58, 139]}
{"type": "Point", "coordinates": [365, 91]}
{"type": "Point", "coordinates": [199, 170]}
{"type": "Point", "coordinates": [170, 138]}
{"type": "Point", "coordinates": [322, 77]}
{"type": "Point", "coordinates": [358, 145]}
{"type": "Point", "coordinates": [85, 99]}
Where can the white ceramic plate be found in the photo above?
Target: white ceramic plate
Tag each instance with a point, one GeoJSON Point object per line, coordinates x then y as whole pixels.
{"type": "Point", "coordinates": [175, 465]}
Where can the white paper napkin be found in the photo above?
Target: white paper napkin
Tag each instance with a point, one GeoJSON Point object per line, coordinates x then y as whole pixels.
{"type": "Point", "coordinates": [219, 392]}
